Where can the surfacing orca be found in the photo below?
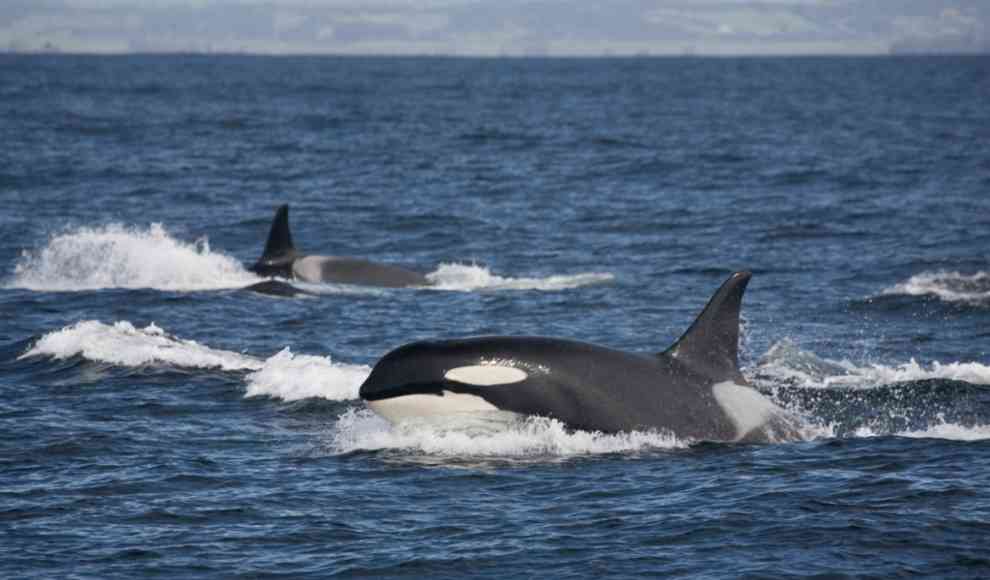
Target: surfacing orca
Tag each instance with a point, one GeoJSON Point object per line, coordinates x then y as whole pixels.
{"type": "Point", "coordinates": [694, 389]}
{"type": "Point", "coordinates": [281, 259]}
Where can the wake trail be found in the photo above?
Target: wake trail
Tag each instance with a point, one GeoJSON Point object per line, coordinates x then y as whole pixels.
{"type": "Point", "coordinates": [119, 256]}
{"type": "Point", "coordinates": [285, 376]}
{"type": "Point", "coordinates": [289, 377]}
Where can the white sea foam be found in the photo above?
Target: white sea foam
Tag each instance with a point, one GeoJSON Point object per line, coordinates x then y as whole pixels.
{"type": "Point", "coordinates": [123, 344]}
{"type": "Point", "coordinates": [292, 377]}
{"type": "Point", "coordinates": [940, 430]}
{"type": "Point", "coordinates": [117, 256]}
{"type": "Point", "coordinates": [468, 277]}
{"type": "Point", "coordinates": [878, 374]}
{"type": "Point", "coordinates": [951, 431]}
{"type": "Point", "coordinates": [786, 362]}
{"type": "Point", "coordinates": [947, 286]}
{"type": "Point", "coordinates": [362, 430]}
{"type": "Point", "coordinates": [283, 376]}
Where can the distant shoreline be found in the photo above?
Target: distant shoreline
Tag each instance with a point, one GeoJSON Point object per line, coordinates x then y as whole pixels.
{"type": "Point", "coordinates": [900, 53]}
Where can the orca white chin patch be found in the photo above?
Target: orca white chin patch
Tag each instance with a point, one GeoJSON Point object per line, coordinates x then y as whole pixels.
{"type": "Point", "coordinates": [486, 375]}
{"type": "Point", "coordinates": [746, 407]}
{"type": "Point", "coordinates": [406, 407]}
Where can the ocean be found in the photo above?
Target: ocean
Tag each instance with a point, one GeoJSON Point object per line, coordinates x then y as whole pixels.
{"type": "Point", "coordinates": [158, 420]}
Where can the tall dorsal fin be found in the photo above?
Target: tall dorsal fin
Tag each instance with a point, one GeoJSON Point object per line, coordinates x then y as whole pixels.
{"type": "Point", "coordinates": [279, 243]}
{"type": "Point", "coordinates": [711, 344]}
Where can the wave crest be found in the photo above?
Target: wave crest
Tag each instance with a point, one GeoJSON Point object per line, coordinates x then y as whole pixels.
{"type": "Point", "coordinates": [284, 376]}
{"type": "Point", "coordinates": [293, 377]}
{"type": "Point", "coordinates": [116, 256]}
{"type": "Point", "coordinates": [786, 362]}
{"type": "Point", "coordinates": [124, 344]}
{"type": "Point", "coordinates": [934, 400]}
{"type": "Point", "coordinates": [946, 286]}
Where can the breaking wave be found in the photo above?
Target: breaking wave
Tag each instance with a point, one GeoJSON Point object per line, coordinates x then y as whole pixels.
{"type": "Point", "coordinates": [786, 362]}
{"type": "Point", "coordinates": [845, 399]}
{"type": "Point", "coordinates": [940, 430]}
{"type": "Point", "coordinates": [284, 376]}
{"type": "Point", "coordinates": [123, 344]}
{"type": "Point", "coordinates": [116, 256]}
{"type": "Point", "coordinates": [291, 377]}
{"type": "Point", "coordinates": [946, 286]}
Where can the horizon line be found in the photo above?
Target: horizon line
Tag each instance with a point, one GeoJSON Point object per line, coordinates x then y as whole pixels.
{"type": "Point", "coordinates": [507, 56]}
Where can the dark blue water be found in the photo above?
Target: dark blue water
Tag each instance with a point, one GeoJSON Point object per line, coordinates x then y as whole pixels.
{"type": "Point", "coordinates": [155, 420]}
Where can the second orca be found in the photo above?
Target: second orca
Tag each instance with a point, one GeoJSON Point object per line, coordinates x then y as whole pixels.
{"type": "Point", "coordinates": [281, 259]}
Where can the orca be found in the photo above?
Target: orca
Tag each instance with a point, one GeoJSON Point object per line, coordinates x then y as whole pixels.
{"type": "Point", "coordinates": [281, 259]}
{"type": "Point", "coordinates": [694, 389]}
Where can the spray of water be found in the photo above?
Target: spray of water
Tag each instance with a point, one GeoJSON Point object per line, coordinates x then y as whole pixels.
{"type": "Point", "coordinates": [117, 256]}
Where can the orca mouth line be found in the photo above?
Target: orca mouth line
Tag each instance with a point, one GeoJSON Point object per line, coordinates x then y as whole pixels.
{"type": "Point", "coordinates": [422, 388]}
{"type": "Point", "coordinates": [435, 388]}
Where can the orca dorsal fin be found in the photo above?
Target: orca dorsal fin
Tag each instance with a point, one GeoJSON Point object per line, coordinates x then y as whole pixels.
{"type": "Point", "coordinates": [279, 244]}
{"type": "Point", "coordinates": [711, 344]}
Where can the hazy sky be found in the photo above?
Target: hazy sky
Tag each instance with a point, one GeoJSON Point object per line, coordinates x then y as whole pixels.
{"type": "Point", "coordinates": [496, 27]}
